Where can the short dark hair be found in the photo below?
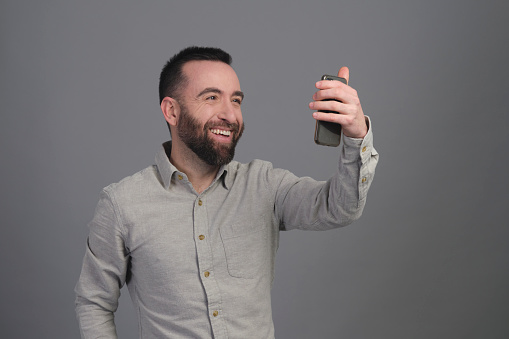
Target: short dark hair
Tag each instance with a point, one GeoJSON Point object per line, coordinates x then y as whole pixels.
{"type": "Point", "coordinates": [172, 78]}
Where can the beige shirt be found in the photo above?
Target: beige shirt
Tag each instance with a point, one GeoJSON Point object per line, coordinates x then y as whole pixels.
{"type": "Point", "coordinates": [202, 265]}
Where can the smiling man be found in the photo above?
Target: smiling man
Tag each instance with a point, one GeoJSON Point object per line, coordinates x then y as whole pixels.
{"type": "Point", "coordinates": [195, 235]}
{"type": "Point", "coordinates": [205, 119]}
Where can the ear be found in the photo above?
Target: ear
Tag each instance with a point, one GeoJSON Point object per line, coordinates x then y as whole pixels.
{"type": "Point", "coordinates": [171, 110]}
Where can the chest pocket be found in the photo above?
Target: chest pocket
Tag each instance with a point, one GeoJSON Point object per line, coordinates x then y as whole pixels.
{"type": "Point", "coordinates": [247, 253]}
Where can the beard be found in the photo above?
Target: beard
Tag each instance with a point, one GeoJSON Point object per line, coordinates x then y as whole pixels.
{"type": "Point", "coordinates": [198, 140]}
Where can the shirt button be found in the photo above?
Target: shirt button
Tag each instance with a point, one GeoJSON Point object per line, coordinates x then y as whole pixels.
{"type": "Point", "coordinates": [200, 202]}
{"type": "Point", "coordinates": [207, 273]}
{"type": "Point", "coordinates": [364, 180]}
{"type": "Point", "coordinates": [201, 237]}
{"type": "Point", "coordinates": [364, 149]}
{"type": "Point", "coordinates": [215, 313]}
{"type": "Point", "coordinates": [180, 177]}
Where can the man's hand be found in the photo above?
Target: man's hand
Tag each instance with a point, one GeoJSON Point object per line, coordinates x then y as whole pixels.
{"type": "Point", "coordinates": [350, 112]}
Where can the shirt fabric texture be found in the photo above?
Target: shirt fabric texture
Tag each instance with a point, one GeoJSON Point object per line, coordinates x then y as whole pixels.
{"type": "Point", "coordinates": [202, 265]}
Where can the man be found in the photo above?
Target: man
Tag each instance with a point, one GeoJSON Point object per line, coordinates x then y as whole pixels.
{"type": "Point", "coordinates": [195, 235]}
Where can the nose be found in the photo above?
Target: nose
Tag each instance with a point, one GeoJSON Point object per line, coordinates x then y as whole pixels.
{"type": "Point", "coordinates": [228, 112]}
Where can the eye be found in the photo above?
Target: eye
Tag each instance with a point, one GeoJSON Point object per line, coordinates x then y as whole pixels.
{"type": "Point", "coordinates": [237, 100]}
{"type": "Point", "coordinates": [212, 97]}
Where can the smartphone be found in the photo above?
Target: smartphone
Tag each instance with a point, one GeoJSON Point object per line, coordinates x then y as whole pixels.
{"type": "Point", "coordinates": [328, 133]}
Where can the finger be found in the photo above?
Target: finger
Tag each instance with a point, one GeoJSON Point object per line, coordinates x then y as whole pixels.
{"type": "Point", "coordinates": [328, 84]}
{"type": "Point", "coordinates": [331, 117]}
{"type": "Point", "coordinates": [334, 106]}
{"type": "Point", "coordinates": [329, 93]}
{"type": "Point", "coordinates": [344, 72]}
{"type": "Point", "coordinates": [342, 93]}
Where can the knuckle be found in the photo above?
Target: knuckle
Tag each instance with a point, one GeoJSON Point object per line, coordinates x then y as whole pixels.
{"type": "Point", "coordinates": [349, 120]}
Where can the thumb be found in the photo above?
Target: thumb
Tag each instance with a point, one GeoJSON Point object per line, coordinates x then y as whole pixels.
{"type": "Point", "coordinates": [344, 72]}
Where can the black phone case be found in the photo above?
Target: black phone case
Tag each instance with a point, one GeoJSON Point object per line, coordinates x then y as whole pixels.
{"type": "Point", "coordinates": [328, 133]}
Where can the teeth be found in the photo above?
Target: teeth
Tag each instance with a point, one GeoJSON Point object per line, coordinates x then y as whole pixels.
{"type": "Point", "coordinates": [220, 131]}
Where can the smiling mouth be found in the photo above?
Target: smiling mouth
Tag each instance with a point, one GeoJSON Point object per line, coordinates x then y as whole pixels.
{"type": "Point", "coordinates": [221, 132]}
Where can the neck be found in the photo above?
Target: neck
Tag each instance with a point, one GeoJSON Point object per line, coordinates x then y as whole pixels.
{"type": "Point", "coordinates": [199, 173]}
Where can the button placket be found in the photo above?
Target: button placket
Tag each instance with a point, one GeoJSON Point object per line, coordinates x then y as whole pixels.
{"type": "Point", "coordinates": [205, 265]}
{"type": "Point", "coordinates": [202, 246]}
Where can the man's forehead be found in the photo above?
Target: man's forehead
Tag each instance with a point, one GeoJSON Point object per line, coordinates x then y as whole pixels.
{"type": "Point", "coordinates": [205, 73]}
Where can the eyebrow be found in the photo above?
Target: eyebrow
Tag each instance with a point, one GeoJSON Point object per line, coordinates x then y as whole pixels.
{"type": "Point", "coordinates": [218, 91]}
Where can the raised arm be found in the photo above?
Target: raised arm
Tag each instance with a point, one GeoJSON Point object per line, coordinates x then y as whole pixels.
{"type": "Point", "coordinates": [304, 203]}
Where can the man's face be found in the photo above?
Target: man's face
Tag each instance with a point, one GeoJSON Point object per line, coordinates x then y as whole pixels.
{"type": "Point", "coordinates": [197, 138]}
{"type": "Point", "coordinates": [210, 121]}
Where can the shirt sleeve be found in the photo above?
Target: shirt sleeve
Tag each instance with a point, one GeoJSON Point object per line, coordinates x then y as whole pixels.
{"type": "Point", "coordinates": [304, 203]}
{"type": "Point", "coordinates": [103, 273]}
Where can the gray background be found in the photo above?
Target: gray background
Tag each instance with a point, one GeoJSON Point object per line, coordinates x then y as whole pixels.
{"type": "Point", "coordinates": [429, 258]}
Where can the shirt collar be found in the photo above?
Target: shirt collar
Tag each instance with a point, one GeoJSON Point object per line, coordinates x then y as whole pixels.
{"type": "Point", "coordinates": [166, 168]}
